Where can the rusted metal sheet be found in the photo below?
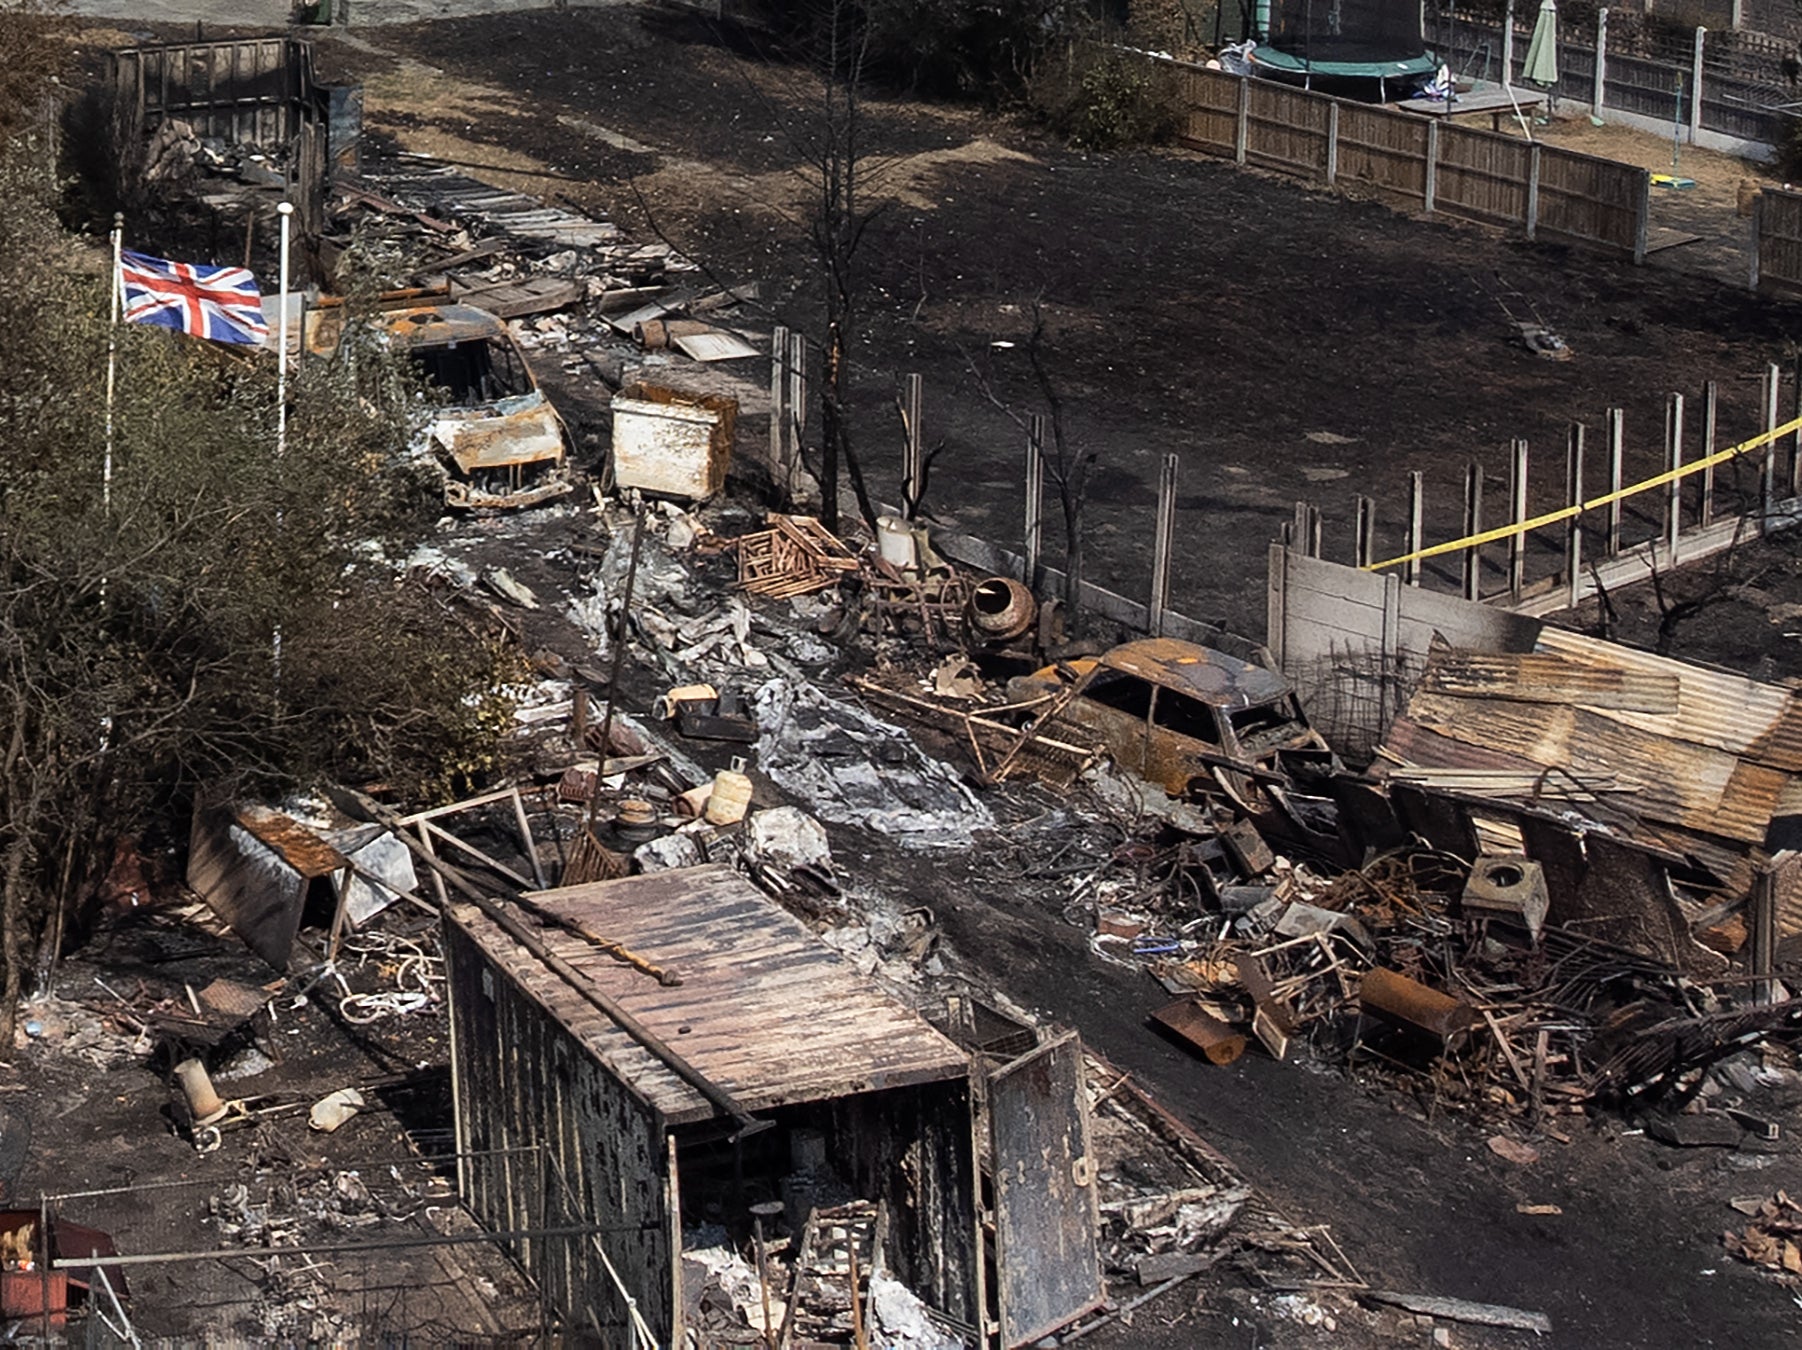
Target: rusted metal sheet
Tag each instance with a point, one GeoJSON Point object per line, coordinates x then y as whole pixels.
{"type": "Point", "coordinates": [1201, 1029]}
{"type": "Point", "coordinates": [1716, 709]}
{"type": "Point", "coordinates": [1048, 1272]}
{"type": "Point", "coordinates": [1709, 778]}
{"type": "Point", "coordinates": [765, 1009]}
{"type": "Point", "coordinates": [672, 442]}
{"type": "Point", "coordinates": [499, 435]}
{"type": "Point", "coordinates": [248, 881]}
{"type": "Point", "coordinates": [1543, 677]}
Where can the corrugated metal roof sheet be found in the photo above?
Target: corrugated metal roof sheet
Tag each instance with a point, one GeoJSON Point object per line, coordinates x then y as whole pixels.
{"type": "Point", "coordinates": [1744, 717]}
{"type": "Point", "coordinates": [1712, 772]}
{"type": "Point", "coordinates": [765, 1009]}
{"type": "Point", "coordinates": [1545, 677]}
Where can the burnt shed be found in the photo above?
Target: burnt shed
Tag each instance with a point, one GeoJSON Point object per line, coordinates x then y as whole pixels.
{"type": "Point", "coordinates": [567, 1122]}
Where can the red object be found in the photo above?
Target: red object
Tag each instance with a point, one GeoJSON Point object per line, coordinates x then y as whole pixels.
{"type": "Point", "coordinates": [23, 1293]}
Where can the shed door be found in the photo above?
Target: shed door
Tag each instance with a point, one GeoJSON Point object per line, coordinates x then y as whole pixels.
{"type": "Point", "coordinates": [1048, 1271]}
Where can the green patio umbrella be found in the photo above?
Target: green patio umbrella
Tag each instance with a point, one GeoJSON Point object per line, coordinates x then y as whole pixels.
{"type": "Point", "coordinates": [1541, 67]}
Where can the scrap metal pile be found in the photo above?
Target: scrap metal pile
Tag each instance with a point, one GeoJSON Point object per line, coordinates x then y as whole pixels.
{"type": "Point", "coordinates": [1419, 962]}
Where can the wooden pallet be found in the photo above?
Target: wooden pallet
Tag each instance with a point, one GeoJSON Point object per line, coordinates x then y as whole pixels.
{"type": "Point", "coordinates": [795, 556]}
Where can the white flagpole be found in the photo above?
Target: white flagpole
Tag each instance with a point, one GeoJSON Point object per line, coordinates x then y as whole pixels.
{"type": "Point", "coordinates": [286, 209]}
{"type": "Point", "coordinates": [112, 358]}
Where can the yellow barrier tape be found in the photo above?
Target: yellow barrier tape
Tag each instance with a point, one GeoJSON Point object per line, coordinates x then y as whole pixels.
{"type": "Point", "coordinates": [1567, 512]}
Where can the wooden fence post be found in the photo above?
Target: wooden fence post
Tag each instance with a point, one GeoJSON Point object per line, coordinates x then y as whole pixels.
{"type": "Point", "coordinates": [1416, 517]}
{"type": "Point", "coordinates": [1242, 130]}
{"type": "Point", "coordinates": [1708, 430]}
{"type": "Point", "coordinates": [1616, 448]}
{"type": "Point", "coordinates": [1673, 461]}
{"type": "Point", "coordinates": [1695, 85]}
{"type": "Point", "coordinates": [1533, 191]}
{"type": "Point", "coordinates": [1473, 524]}
{"type": "Point", "coordinates": [1431, 188]}
{"type": "Point", "coordinates": [1332, 142]}
{"type": "Point", "coordinates": [1163, 546]}
{"type": "Point", "coordinates": [1035, 496]}
{"type": "Point", "coordinates": [1364, 551]}
{"type": "Point", "coordinates": [1599, 90]}
{"type": "Point", "coordinates": [1517, 503]}
{"type": "Point", "coordinates": [1773, 379]}
{"type": "Point", "coordinates": [1573, 528]}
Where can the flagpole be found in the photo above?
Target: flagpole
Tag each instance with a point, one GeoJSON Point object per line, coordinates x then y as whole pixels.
{"type": "Point", "coordinates": [112, 359]}
{"type": "Point", "coordinates": [286, 209]}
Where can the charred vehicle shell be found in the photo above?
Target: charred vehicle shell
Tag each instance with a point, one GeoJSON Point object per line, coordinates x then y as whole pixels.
{"type": "Point", "coordinates": [1190, 719]}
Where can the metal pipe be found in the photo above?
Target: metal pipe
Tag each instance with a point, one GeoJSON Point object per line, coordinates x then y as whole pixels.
{"type": "Point", "coordinates": [312, 1249]}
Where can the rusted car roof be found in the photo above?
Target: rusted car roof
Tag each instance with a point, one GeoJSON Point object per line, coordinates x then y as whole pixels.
{"type": "Point", "coordinates": [765, 1009]}
{"type": "Point", "coordinates": [436, 325]}
{"type": "Point", "coordinates": [1201, 672]}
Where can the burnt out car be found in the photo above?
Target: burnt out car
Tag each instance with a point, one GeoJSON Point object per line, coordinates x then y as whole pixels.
{"type": "Point", "coordinates": [1195, 721]}
{"type": "Point", "coordinates": [497, 430]}
{"type": "Point", "coordinates": [491, 429]}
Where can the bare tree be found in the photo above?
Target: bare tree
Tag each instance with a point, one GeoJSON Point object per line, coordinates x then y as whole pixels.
{"type": "Point", "coordinates": [1068, 464]}
{"type": "Point", "coordinates": [135, 620]}
{"type": "Point", "coordinates": [829, 138]}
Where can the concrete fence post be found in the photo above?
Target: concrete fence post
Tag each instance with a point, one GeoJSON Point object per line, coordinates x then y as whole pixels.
{"type": "Point", "coordinates": [1416, 522]}
{"type": "Point", "coordinates": [1163, 547]}
{"type": "Point", "coordinates": [1599, 89]}
{"type": "Point", "coordinates": [779, 403]}
{"type": "Point", "coordinates": [1472, 554]}
{"type": "Point", "coordinates": [1706, 506]}
{"type": "Point", "coordinates": [1241, 132]}
{"type": "Point", "coordinates": [1532, 213]}
{"type": "Point", "coordinates": [1035, 497]}
{"type": "Point", "coordinates": [1573, 528]}
{"type": "Point", "coordinates": [1695, 85]}
{"type": "Point", "coordinates": [1673, 461]}
{"type": "Point", "coordinates": [1431, 183]}
{"type": "Point", "coordinates": [913, 470]}
{"type": "Point", "coordinates": [1773, 383]}
{"type": "Point", "coordinates": [1517, 507]}
{"type": "Point", "coordinates": [1332, 142]}
{"type": "Point", "coordinates": [1616, 450]}
{"type": "Point", "coordinates": [1364, 551]}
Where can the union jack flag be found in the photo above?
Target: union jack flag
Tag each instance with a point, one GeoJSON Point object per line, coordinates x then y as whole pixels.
{"type": "Point", "coordinates": [220, 303]}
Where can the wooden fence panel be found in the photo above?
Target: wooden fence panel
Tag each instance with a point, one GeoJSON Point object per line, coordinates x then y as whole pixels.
{"type": "Point", "coordinates": [1590, 198]}
{"type": "Point", "coordinates": [1483, 175]}
{"type": "Point", "coordinates": [242, 92]}
{"type": "Point", "coordinates": [1385, 149]}
{"type": "Point", "coordinates": [1286, 129]}
{"type": "Point", "coordinates": [1777, 234]}
{"type": "Point", "coordinates": [1213, 117]}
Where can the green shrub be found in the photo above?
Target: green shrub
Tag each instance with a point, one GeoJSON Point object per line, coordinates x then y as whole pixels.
{"type": "Point", "coordinates": [1100, 97]}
